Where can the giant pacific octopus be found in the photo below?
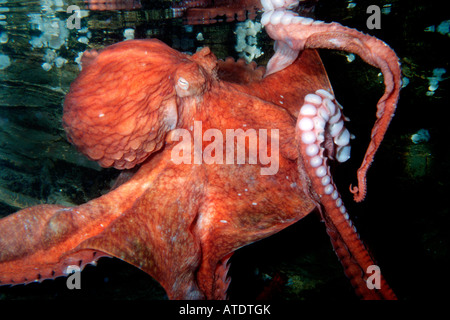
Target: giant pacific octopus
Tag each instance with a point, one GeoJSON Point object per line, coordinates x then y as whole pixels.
{"type": "Point", "coordinates": [180, 217]}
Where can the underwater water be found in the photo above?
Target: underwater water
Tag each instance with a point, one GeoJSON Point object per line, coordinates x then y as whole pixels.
{"type": "Point", "coordinates": [403, 220]}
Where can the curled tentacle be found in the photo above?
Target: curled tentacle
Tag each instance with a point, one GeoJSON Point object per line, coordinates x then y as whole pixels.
{"type": "Point", "coordinates": [293, 34]}
{"type": "Point", "coordinates": [319, 120]}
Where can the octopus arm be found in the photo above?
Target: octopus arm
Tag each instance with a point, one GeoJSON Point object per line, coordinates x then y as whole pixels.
{"type": "Point", "coordinates": [302, 33]}
{"type": "Point", "coordinates": [39, 243]}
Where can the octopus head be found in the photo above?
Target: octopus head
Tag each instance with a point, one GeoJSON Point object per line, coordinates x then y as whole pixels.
{"type": "Point", "coordinates": [126, 99]}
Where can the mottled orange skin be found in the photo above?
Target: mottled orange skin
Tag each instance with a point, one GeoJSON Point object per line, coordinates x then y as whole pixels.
{"type": "Point", "coordinates": [168, 219]}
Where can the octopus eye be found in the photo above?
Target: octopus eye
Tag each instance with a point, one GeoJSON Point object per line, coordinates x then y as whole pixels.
{"type": "Point", "coordinates": [183, 83]}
